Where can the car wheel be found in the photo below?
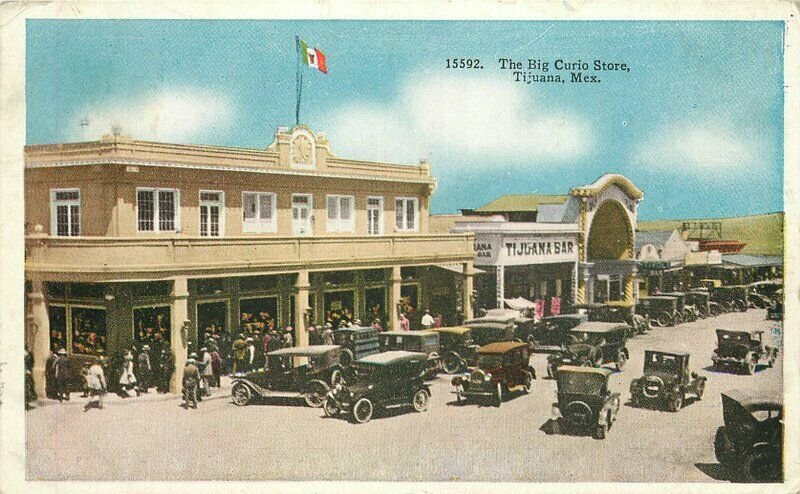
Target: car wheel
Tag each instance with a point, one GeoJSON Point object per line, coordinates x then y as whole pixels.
{"type": "Point", "coordinates": [722, 447]}
{"type": "Point", "coordinates": [621, 359]}
{"type": "Point", "coordinates": [741, 306]}
{"type": "Point", "coordinates": [241, 394]}
{"type": "Point", "coordinates": [600, 431]}
{"type": "Point", "coordinates": [764, 464]}
{"type": "Point", "coordinates": [451, 364]}
{"type": "Point", "coordinates": [346, 357]}
{"type": "Point", "coordinates": [315, 395]}
{"type": "Point", "coordinates": [527, 384]}
{"type": "Point", "coordinates": [663, 319]}
{"type": "Point", "coordinates": [362, 411]}
{"type": "Point", "coordinates": [675, 403]}
{"type": "Point", "coordinates": [331, 408]}
{"type": "Point", "coordinates": [498, 395]}
{"type": "Point", "coordinates": [420, 401]}
{"type": "Point", "coordinates": [715, 310]}
{"type": "Point", "coordinates": [336, 376]}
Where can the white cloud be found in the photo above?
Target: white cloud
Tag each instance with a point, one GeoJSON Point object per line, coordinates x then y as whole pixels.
{"type": "Point", "coordinates": [473, 116]}
{"type": "Point", "coordinates": [700, 146]}
{"type": "Point", "coordinates": [180, 115]}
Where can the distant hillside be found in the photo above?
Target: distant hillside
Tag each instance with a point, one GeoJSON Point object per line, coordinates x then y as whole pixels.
{"type": "Point", "coordinates": [763, 233]}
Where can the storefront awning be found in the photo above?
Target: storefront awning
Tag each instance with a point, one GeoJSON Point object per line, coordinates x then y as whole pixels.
{"type": "Point", "coordinates": [459, 268]}
{"type": "Point", "coordinates": [519, 303]}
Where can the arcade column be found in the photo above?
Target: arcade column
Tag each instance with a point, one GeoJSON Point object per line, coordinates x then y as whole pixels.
{"type": "Point", "coordinates": [301, 308]}
{"type": "Point", "coordinates": [179, 337]}
{"type": "Point", "coordinates": [394, 298]}
{"type": "Point", "coordinates": [38, 324]}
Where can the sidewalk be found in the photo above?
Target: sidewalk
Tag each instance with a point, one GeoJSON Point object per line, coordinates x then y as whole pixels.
{"type": "Point", "coordinates": [113, 399]}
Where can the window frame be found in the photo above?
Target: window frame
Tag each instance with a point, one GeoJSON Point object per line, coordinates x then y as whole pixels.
{"type": "Point", "coordinates": [54, 203]}
{"type": "Point", "coordinates": [156, 222]}
{"type": "Point", "coordinates": [68, 336]}
{"type": "Point", "coordinates": [405, 201]}
{"type": "Point", "coordinates": [201, 202]}
{"type": "Point", "coordinates": [381, 219]}
{"type": "Point", "coordinates": [259, 225]}
{"type": "Point", "coordinates": [339, 225]}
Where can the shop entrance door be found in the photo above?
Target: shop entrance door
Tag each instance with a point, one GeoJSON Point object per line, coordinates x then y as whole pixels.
{"type": "Point", "coordinates": [210, 213]}
{"type": "Point", "coordinates": [339, 307]}
{"type": "Point", "coordinates": [212, 318]}
{"type": "Point", "coordinates": [301, 214]}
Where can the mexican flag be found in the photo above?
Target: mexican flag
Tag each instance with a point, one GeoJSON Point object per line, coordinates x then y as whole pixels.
{"type": "Point", "coordinates": [313, 57]}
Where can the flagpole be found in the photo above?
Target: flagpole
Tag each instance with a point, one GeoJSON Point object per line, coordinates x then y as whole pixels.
{"type": "Point", "coordinates": [299, 80]}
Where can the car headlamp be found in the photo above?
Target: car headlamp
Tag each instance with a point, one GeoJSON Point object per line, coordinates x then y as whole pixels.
{"type": "Point", "coordinates": [487, 377]}
{"type": "Point", "coordinates": [555, 412]}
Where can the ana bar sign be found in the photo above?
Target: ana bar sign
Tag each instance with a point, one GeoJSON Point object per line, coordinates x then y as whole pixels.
{"type": "Point", "coordinates": [528, 249]}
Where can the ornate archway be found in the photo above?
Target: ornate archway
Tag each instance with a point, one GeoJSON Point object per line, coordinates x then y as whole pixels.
{"type": "Point", "coordinates": [610, 234]}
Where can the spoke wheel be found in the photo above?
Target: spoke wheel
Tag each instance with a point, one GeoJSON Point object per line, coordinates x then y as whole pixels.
{"type": "Point", "coordinates": [336, 376]}
{"type": "Point", "coordinates": [762, 465]}
{"type": "Point", "coordinates": [241, 395]}
{"type": "Point", "coordinates": [315, 396]}
{"type": "Point", "coordinates": [663, 319]}
{"type": "Point", "coordinates": [362, 411]}
{"type": "Point", "coordinates": [676, 402]}
{"type": "Point", "coordinates": [331, 408]}
{"type": "Point", "coordinates": [451, 364]}
{"type": "Point", "coordinates": [420, 400]}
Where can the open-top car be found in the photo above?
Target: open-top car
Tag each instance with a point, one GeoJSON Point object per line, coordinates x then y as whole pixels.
{"type": "Point", "coordinates": [356, 343]}
{"type": "Point", "coordinates": [731, 298]}
{"type": "Point", "coordinates": [298, 372]}
{"type": "Point", "coordinates": [457, 350]}
{"type": "Point", "coordinates": [687, 311]}
{"type": "Point", "coordinates": [666, 381]}
{"type": "Point", "coordinates": [426, 342]}
{"type": "Point", "coordinates": [485, 332]}
{"type": "Point", "coordinates": [386, 380]}
{"type": "Point", "coordinates": [750, 444]}
{"type": "Point", "coordinates": [548, 335]}
{"type": "Point", "coordinates": [661, 310]}
{"type": "Point", "coordinates": [592, 344]}
{"type": "Point", "coordinates": [585, 403]}
{"type": "Point", "coordinates": [502, 368]}
{"type": "Point", "coordinates": [701, 300]}
{"type": "Point", "coordinates": [742, 350]}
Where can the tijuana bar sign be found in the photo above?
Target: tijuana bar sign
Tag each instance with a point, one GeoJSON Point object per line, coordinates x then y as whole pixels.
{"type": "Point", "coordinates": [529, 249]}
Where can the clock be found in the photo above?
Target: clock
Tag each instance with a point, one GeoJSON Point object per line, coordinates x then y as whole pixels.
{"type": "Point", "coordinates": [302, 150]}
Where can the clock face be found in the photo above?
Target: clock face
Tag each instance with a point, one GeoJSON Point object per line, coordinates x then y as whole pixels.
{"type": "Point", "coordinates": [302, 150]}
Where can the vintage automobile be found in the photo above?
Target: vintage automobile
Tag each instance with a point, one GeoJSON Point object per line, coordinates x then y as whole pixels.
{"type": "Point", "coordinates": [485, 332]}
{"type": "Point", "coordinates": [502, 368]}
{"type": "Point", "coordinates": [585, 404]}
{"type": "Point", "coordinates": [386, 380]}
{"type": "Point", "coordinates": [426, 342]}
{"type": "Point", "coordinates": [750, 444]}
{"type": "Point", "coordinates": [661, 310]}
{"type": "Point", "coordinates": [457, 350]}
{"type": "Point", "coordinates": [549, 333]}
{"type": "Point", "coordinates": [666, 381]}
{"type": "Point", "coordinates": [356, 343]}
{"type": "Point", "coordinates": [709, 284]}
{"type": "Point", "coordinates": [742, 350]}
{"type": "Point", "coordinates": [592, 344]}
{"type": "Point", "coordinates": [701, 299]}
{"type": "Point", "coordinates": [687, 311]}
{"type": "Point", "coordinates": [766, 288]}
{"type": "Point", "coordinates": [615, 311]}
{"type": "Point", "coordinates": [731, 297]}
{"type": "Point", "coordinates": [295, 372]}
{"type": "Point", "coordinates": [775, 311]}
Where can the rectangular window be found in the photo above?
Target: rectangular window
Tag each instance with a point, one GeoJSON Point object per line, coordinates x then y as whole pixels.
{"type": "Point", "coordinates": [375, 216]}
{"type": "Point", "coordinates": [65, 212]}
{"type": "Point", "coordinates": [157, 210]}
{"type": "Point", "coordinates": [340, 213]}
{"type": "Point", "coordinates": [212, 204]}
{"type": "Point", "coordinates": [259, 212]}
{"type": "Point", "coordinates": [406, 212]}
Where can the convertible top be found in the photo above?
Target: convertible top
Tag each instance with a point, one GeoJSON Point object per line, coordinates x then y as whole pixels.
{"type": "Point", "coordinates": [355, 329]}
{"type": "Point", "coordinates": [601, 371]}
{"type": "Point", "coordinates": [658, 297]}
{"type": "Point", "coordinates": [409, 333]}
{"type": "Point", "coordinates": [393, 357]}
{"type": "Point", "coordinates": [751, 400]}
{"type": "Point", "coordinates": [671, 294]}
{"type": "Point", "coordinates": [305, 351]}
{"type": "Point", "coordinates": [452, 329]}
{"type": "Point", "coordinates": [598, 327]}
{"type": "Point", "coordinates": [674, 354]}
{"type": "Point", "coordinates": [501, 347]}
{"type": "Point", "coordinates": [721, 331]}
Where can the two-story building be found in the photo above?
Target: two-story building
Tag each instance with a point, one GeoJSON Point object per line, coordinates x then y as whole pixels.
{"type": "Point", "coordinates": [130, 242]}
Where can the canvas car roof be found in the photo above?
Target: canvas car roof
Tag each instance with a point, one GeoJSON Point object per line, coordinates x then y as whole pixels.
{"type": "Point", "coordinates": [593, 305]}
{"type": "Point", "coordinates": [756, 399]}
{"type": "Point", "coordinates": [658, 297]}
{"type": "Point", "coordinates": [598, 327]}
{"type": "Point", "coordinates": [452, 329]}
{"type": "Point", "coordinates": [354, 329]}
{"type": "Point", "coordinates": [670, 294]}
{"type": "Point", "coordinates": [408, 333]}
{"type": "Point", "coordinates": [305, 351]}
{"type": "Point", "coordinates": [488, 325]}
{"type": "Point", "coordinates": [392, 357]}
{"type": "Point", "coordinates": [601, 371]}
{"type": "Point", "coordinates": [739, 331]}
{"type": "Point", "coordinates": [666, 352]}
{"type": "Point", "coordinates": [564, 316]}
{"type": "Point", "coordinates": [501, 347]}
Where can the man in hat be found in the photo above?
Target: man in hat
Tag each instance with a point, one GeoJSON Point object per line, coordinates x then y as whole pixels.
{"type": "Point", "coordinates": [427, 320]}
{"type": "Point", "coordinates": [239, 351]}
{"type": "Point", "coordinates": [191, 379]}
{"type": "Point", "coordinates": [207, 372]}
{"type": "Point", "coordinates": [145, 370]}
{"type": "Point", "coordinates": [216, 366]}
{"type": "Point", "coordinates": [288, 338]}
{"type": "Point", "coordinates": [62, 369]}
{"type": "Point", "coordinates": [30, 389]}
{"type": "Point", "coordinates": [166, 366]}
{"type": "Point", "coordinates": [96, 383]}
{"type": "Point", "coordinates": [50, 376]}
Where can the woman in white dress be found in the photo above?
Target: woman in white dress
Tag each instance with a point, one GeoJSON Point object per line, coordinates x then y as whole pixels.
{"type": "Point", "coordinates": [127, 380]}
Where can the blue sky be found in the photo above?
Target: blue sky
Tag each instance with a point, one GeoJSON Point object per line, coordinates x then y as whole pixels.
{"type": "Point", "coordinates": [697, 123]}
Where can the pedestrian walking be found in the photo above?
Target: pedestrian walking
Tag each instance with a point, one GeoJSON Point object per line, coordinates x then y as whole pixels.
{"type": "Point", "coordinates": [427, 320]}
{"type": "Point", "coordinates": [207, 371]}
{"type": "Point", "coordinates": [405, 324]}
{"type": "Point", "coordinates": [191, 379]}
{"type": "Point", "coordinates": [216, 367]}
{"type": "Point", "coordinates": [165, 369]}
{"type": "Point", "coordinates": [127, 379]}
{"type": "Point", "coordinates": [62, 368]}
{"type": "Point", "coordinates": [239, 352]}
{"type": "Point", "coordinates": [314, 336]}
{"type": "Point", "coordinates": [84, 382]}
{"type": "Point", "coordinates": [50, 375]}
{"type": "Point", "coordinates": [30, 389]}
{"type": "Point", "coordinates": [96, 384]}
{"type": "Point", "coordinates": [144, 370]}
{"type": "Point", "coordinates": [250, 355]}
{"type": "Point", "coordinates": [288, 339]}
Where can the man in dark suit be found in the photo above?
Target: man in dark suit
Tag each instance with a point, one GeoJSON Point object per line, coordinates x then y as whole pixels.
{"type": "Point", "coordinates": [191, 380]}
{"type": "Point", "coordinates": [62, 370]}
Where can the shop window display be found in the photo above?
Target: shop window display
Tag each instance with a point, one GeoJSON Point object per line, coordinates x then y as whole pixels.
{"type": "Point", "coordinates": [58, 327]}
{"type": "Point", "coordinates": [258, 314]}
{"type": "Point", "coordinates": [152, 325]}
{"type": "Point", "coordinates": [212, 318]}
{"type": "Point", "coordinates": [88, 331]}
{"type": "Point", "coordinates": [339, 308]}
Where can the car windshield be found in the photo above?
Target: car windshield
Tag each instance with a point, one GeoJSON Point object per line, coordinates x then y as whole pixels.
{"type": "Point", "coordinates": [742, 337]}
{"type": "Point", "coordinates": [580, 383]}
{"type": "Point", "coordinates": [361, 370]}
{"type": "Point", "coordinates": [661, 361]}
{"type": "Point", "coordinates": [489, 361]}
